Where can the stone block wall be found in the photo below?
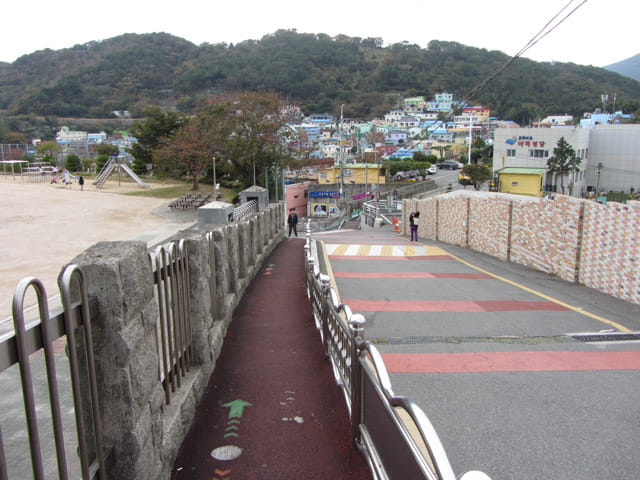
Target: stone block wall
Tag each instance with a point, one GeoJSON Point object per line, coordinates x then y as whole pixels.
{"type": "Point", "coordinates": [142, 434]}
{"type": "Point", "coordinates": [577, 240]}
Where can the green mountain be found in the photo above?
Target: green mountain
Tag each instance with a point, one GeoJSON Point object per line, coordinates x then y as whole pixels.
{"type": "Point", "coordinates": [317, 71]}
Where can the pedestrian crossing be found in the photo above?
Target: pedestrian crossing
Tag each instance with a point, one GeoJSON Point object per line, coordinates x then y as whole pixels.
{"type": "Point", "coordinates": [355, 250]}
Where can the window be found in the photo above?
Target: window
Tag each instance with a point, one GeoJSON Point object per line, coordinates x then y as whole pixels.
{"type": "Point", "coordinates": [348, 172]}
{"type": "Point", "coordinates": [323, 174]}
{"type": "Point", "coordinates": [538, 153]}
{"type": "Point", "coordinates": [511, 152]}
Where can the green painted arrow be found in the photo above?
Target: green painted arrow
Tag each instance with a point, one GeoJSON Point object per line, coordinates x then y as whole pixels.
{"type": "Point", "coordinates": [236, 408]}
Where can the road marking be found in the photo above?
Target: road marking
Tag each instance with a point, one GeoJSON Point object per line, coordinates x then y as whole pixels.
{"type": "Point", "coordinates": [579, 310]}
{"type": "Point", "coordinates": [412, 275]}
{"type": "Point", "coordinates": [483, 362]}
{"type": "Point", "coordinates": [236, 408]}
{"type": "Point", "coordinates": [388, 256]}
{"type": "Point", "coordinates": [449, 305]}
{"type": "Point", "coordinates": [338, 250]}
{"type": "Point", "coordinates": [226, 453]}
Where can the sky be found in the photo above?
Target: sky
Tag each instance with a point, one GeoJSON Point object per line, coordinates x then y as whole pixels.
{"type": "Point", "coordinates": [599, 32]}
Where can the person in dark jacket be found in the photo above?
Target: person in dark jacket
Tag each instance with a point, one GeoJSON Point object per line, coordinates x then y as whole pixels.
{"type": "Point", "coordinates": [292, 221]}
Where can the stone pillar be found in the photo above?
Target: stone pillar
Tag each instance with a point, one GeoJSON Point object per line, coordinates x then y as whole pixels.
{"type": "Point", "coordinates": [131, 397]}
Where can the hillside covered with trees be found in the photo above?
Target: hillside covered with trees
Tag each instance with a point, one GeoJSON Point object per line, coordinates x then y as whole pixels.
{"type": "Point", "coordinates": [316, 71]}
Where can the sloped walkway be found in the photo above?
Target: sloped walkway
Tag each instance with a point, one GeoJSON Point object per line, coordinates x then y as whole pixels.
{"type": "Point", "coordinates": [272, 409]}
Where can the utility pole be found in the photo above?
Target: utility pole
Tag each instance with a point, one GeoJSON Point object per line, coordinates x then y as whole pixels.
{"type": "Point", "coordinates": [340, 158]}
{"type": "Point", "coordinates": [470, 130]}
{"type": "Point", "coordinates": [599, 167]}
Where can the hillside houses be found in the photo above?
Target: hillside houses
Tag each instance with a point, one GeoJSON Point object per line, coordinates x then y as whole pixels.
{"type": "Point", "coordinates": [419, 125]}
{"type": "Point", "coordinates": [412, 127]}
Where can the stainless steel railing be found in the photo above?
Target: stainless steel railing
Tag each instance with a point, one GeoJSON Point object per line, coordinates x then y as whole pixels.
{"type": "Point", "coordinates": [245, 211]}
{"type": "Point", "coordinates": [395, 436]}
{"type": "Point", "coordinates": [42, 336]}
{"type": "Point", "coordinates": [170, 267]}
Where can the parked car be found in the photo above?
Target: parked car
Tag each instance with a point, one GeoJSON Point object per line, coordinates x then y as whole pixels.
{"type": "Point", "coordinates": [432, 170]}
{"type": "Point", "coordinates": [449, 165]}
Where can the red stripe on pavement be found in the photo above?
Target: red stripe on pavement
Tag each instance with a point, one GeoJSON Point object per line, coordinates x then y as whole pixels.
{"type": "Point", "coordinates": [389, 257]}
{"type": "Point", "coordinates": [476, 362]}
{"type": "Point", "coordinates": [410, 275]}
{"type": "Point", "coordinates": [449, 305]}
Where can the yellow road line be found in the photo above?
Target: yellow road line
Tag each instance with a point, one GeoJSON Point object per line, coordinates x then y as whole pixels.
{"type": "Point", "coordinates": [435, 250]}
{"type": "Point", "coordinates": [332, 278]}
{"type": "Point", "coordinates": [363, 250]}
{"type": "Point", "coordinates": [606, 321]}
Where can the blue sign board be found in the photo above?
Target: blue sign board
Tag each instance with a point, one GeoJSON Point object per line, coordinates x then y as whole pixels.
{"type": "Point", "coordinates": [324, 194]}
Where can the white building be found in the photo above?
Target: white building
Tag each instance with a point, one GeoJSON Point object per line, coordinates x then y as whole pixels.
{"type": "Point", "coordinates": [65, 135]}
{"type": "Point", "coordinates": [609, 154]}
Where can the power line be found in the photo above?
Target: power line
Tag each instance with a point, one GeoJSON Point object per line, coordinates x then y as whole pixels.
{"type": "Point", "coordinates": [539, 36]}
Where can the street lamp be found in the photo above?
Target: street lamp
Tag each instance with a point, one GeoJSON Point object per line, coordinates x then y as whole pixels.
{"type": "Point", "coordinates": [599, 167]}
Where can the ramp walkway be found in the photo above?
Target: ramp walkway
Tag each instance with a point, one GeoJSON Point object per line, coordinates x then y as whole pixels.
{"type": "Point", "coordinates": [272, 409]}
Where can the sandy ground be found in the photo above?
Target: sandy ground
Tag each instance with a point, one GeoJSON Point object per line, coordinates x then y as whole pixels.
{"type": "Point", "coordinates": [43, 226]}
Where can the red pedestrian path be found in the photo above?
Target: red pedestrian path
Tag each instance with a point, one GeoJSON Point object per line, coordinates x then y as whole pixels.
{"type": "Point", "coordinates": [272, 409]}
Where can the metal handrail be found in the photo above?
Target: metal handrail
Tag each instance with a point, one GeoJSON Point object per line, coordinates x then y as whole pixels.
{"type": "Point", "coordinates": [395, 436]}
{"type": "Point", "coordinates": [15, 348]}
{"type": "Point", "coordinates": [245, 211]}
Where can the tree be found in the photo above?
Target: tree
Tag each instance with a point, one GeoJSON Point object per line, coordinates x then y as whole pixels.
{"type": "Point", "coordinates": [242, 130]}
{"type": "Point", "coordinates": [420, 157]}
{"type": "Point", "coordinates": [17, 138]}
{"type": "Point", "coordinates": [73, 163]}
{"type": "Point", "coordinates": [107, 149]}
{"type": "Point", "coordinates": [374, 137]}
{"type": "Point", "coordinates": [149, 133]}
{"type": "Point", "coordinates": [186, 149]}
{"type": "Point", "coordinates": [563, 161]}
{"type": "Point", "coordinates": [139, 167]}
{"type": "Point", "coordinates": [477, 175]}
{"type": "Point", "coordinates": [48, 151]}
{"type": "Point", "coordinates": [100, 162]}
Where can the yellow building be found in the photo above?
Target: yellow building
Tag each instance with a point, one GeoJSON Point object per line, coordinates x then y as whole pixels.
{"type": "Point", "coordinates": [521, 181]}
{"type": "Point", "coordinates": [359, 173]}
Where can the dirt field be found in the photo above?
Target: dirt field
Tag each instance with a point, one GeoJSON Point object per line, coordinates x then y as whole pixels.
{"type": "Point", "coordinates": [43, 226]}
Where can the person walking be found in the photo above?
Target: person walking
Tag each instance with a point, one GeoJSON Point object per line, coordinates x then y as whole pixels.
{"type": "Point", "coordinates": [413, 226]}
{"type": "Point", "coordinates": [292, 221]}
{"type": "Point", "coordinates": [81, 182]}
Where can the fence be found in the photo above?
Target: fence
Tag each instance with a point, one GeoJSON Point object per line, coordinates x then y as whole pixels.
{"type": "Point", "coordinates": [395, 436]}
{"type": "Point", "coordinates": [244, 211]}
{"type": "Point", "coordinates": [170, 267]}
{"type": "Point", "coordinates": [39, 337]}
{"type": "Point", "coordinates": [156, 322]}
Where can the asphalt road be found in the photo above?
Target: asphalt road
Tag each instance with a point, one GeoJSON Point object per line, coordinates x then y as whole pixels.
{"type": "Point", "coordinates": [487, 349]}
